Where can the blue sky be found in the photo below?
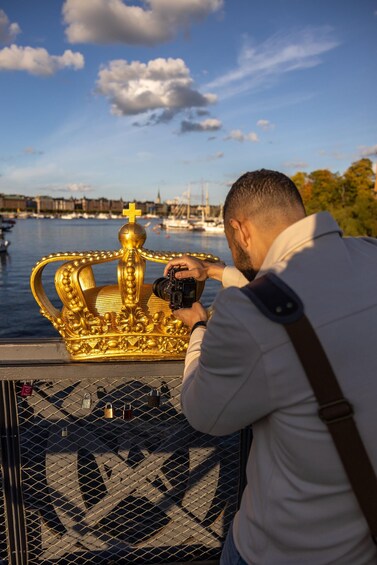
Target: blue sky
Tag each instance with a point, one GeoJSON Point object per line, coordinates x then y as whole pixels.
{"type": "Point", "coordinates": [121, 98]}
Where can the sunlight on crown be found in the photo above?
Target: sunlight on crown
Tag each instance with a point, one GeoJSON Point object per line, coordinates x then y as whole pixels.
{"type": "Point", "coordinates": [122, 320]}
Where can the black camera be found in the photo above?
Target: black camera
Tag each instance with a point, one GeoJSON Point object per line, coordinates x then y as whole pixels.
{"type": "Point", "coordinates": [179, 293]}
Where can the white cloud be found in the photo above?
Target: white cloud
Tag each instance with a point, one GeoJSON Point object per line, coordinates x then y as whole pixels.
{"type": "Point", "coordinates": [368, 151]}
{"type": "Point", "coordinates": [265, 125]}
{"type": "Point", "coordinates": [238, 135]}
{"type": "Point", "coordinates": [8, 31]}
{"type": "Point", "coordinates": [210, 124]}
{"type": "Point", "coordinates": [160, 84]}
{"type": "Point", "coordinates": [37, 61]}
{"type": "Point", "coordinates": [281, 53]}
{"type": "Point", "coordinates": [113, 21]}
{"type": "Point", "coordinates": [78, 187]}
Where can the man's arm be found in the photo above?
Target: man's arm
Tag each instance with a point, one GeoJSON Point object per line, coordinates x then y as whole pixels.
{"type": "Point", "coordinates": [202, 270]}
{"type": "Point", "coordinates": [224, 385]}
{"type": "Point", "coordinates": [199, 269]}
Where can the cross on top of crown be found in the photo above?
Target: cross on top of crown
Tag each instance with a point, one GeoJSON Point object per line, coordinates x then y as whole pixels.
{"type": "Point", "coordinates": [131, 212]}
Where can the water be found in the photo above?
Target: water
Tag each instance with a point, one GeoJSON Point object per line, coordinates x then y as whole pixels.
{"type": "Point", "coordinates": [32, 239]}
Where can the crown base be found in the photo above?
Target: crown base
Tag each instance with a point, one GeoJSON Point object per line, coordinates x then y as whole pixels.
{"type": "Point", "coordinates": [140, 347]}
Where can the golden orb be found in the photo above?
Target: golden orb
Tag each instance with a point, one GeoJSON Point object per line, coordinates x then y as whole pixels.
{"type": "Point", "coordinates": [132, 236]}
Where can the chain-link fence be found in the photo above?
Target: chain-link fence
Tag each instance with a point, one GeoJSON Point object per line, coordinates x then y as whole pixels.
{"type": "Point", "coordinates": [110, 471]}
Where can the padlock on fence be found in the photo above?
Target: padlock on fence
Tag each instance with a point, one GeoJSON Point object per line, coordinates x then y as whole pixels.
{"type": "Point", "coordinates": [86, 401]}
{"type": "Point", "coordinates": [27, 389]}
{"type": "Point", "coordinates": [101, 392]}
{"type": "Point", "coordinates": [108, 410]}
{"type": "Point", "coordinates": [154, 398]}
{"type": "Point", "coordinates": [127, 412]}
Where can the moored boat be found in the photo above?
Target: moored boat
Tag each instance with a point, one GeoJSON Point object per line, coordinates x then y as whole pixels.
{"type": "Point", "coordinates": [4, 243]}
{"type": "Point", "coordinates": [174, 223]}
{"type": "Point", "coordinates": [6, 224]}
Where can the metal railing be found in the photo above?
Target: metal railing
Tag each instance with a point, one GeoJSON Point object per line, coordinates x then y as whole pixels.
{"type": "Point", "coordinates": [99, 465]}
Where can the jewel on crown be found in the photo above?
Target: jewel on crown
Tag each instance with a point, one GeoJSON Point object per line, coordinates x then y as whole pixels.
{"type": "Point", "coordinates": [123, 320]}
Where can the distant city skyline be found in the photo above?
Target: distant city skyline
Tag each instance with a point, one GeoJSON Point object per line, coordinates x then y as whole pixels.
{"type": "Point", "coordinates": [121, 99]}
{"type": "Point", "coordinates": [22, 206]}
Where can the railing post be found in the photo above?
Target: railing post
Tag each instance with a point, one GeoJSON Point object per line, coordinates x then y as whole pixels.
{"type": "Point", "coordinates": [11, 464]}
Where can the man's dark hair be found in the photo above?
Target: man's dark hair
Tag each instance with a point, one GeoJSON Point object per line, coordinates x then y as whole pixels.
{"type": "Point", "coordinates": [263, 193]}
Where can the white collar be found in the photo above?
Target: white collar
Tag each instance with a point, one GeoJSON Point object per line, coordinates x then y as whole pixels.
{"type": "Point", "coordinates": [298, 235]}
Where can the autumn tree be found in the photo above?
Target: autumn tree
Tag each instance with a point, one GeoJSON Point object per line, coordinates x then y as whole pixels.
{"type": "Point", "coordinates": [326, 190]}
{"type": "Point", "coordinates": [304, 186]}
{"type": "Point", "coordinates": [357, 180]}
{"type": "Point", "coordinates": [350, 197]}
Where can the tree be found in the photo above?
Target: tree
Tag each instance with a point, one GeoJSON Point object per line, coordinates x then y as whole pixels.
{"type": "Point", "coordinates": [350, 198]}
{"type": "Point", "coordinates": [357, 180]}
{"type": "Point", "coordinates": [326, 190]}
{"type": "Point", "coordinates": [304, 186]}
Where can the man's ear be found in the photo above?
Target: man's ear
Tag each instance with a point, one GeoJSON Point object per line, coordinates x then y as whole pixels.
{"type": "Point", "coordinates": [243, 232]}
{"type": "Point", "coordinates": [235, 224]}
{"type": "Point", "coordinates": [245, 235]}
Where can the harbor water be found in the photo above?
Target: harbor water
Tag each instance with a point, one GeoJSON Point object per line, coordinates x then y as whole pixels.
{"type": "Point", "coordinates": [32, 239]}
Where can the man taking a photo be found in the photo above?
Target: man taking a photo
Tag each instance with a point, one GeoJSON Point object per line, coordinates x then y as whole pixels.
{"type": "Point", "coordinates": [241, 368]}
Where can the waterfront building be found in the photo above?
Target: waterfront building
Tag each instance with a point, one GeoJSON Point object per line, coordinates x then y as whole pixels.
{"type": "Point", "coordinates": [12, 202]}
{"type": "Point", "coordinates": [64, 205]}
{"type": "Point", "coordinates": [44, 204]}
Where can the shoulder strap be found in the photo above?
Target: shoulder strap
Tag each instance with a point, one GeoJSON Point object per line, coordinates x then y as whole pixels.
{"type": "Point", "coordinates": [280, 304]}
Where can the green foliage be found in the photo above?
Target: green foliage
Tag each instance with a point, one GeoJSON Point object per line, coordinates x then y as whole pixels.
{"type": "Point", "coordinates": [304, 186]}
{"type": "Point", "coordinates": [350, 197]}
{"type": "Point", "coordinates": [358, 178]}
{"type": "Point", "coordinates": [326, 191]}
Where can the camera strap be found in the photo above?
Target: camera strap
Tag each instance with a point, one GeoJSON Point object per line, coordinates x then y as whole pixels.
{"type": "Point", "coordinates": [281, 304]}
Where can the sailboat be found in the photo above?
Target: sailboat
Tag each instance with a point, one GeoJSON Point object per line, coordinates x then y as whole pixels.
{"type": "Point", "coordinates": [180, 219]}
{"type": "Point", "coordinates": [214, 226]}
{"type": "Point", "coordinates": [210, 224]}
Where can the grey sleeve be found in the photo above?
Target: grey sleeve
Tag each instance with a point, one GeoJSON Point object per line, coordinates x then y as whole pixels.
{"type": "Point", "coordinates": [224, 386]}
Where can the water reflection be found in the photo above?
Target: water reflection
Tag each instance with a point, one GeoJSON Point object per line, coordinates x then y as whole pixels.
{"type": "Point", "coordinates": [4, 260]}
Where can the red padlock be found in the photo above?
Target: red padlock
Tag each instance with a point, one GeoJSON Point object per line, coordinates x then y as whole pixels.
{"type": "Point", "coordinates": [27, 389]}
{"type": "Point", "coordinates": [127, 412]}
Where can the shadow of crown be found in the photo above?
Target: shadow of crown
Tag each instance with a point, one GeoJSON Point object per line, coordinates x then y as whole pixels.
{"type": "Point", "coordinates": [120, 321]}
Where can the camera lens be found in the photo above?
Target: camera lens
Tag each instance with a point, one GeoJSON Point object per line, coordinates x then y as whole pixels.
{"type": "Point", "coordinates": [160, 288]}
{"type": "Point", "coordinates": [179, 293]}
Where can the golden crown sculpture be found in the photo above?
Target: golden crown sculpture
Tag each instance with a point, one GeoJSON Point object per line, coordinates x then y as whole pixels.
{"type": "Point", "coordinates": [121, 321]}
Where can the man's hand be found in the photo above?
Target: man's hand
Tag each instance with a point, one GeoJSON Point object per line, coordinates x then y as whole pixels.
{"type": "Point", "coordinates": [190, 316]}
{"type": "Point", "coordinates": [196, 268]}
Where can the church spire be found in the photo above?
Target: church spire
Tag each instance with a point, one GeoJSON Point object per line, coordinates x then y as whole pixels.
{"type": "Point", "coordinates": [158, 199]}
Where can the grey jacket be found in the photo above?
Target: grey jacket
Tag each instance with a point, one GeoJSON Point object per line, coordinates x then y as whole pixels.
{"type": "Point", "coordinates": [298, 506]}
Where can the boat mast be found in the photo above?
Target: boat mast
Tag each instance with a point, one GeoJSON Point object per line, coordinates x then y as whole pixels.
{"type": "Point", "coordinates": [207, 210]}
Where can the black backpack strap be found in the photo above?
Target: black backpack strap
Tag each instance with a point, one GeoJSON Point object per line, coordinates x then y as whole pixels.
{"type": "Point", "coordinates": [280, 304]}
{"type": "Point", "coordinates": [275, 299]}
